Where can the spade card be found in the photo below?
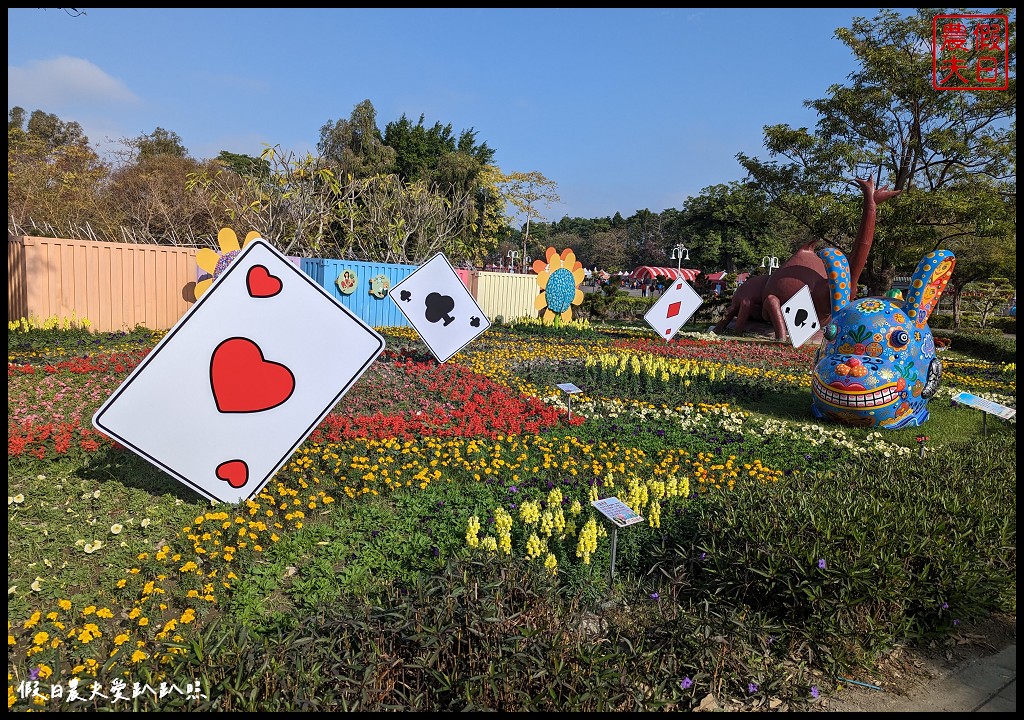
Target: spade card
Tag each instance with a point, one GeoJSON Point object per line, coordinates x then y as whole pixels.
{"type": "Point", "coordinates": [242, 379]}
{"type": "Point", "coordinates": [673, 309]}
{"type": "Point", "coordinates": [801, 317]}
{"type": "Point", "coordinates": [440, 307]}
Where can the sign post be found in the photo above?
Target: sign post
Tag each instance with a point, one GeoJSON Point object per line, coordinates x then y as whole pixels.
{"type": "Point", "coordinates": [569, 389]}
{"type": "Point", "coordinates": [986, 406]}
{"type": "Point", "coordinates": [621, 515]}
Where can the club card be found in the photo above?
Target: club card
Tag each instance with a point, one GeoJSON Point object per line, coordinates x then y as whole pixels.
{"type": "Point", "coordinates": [673, 309]}
{"type": "Point", "coordinates": [242, 379]}
{"type": "Point", "coordinates": [440, 307]}
{"type": "Point", "coordinates": [801, 317]}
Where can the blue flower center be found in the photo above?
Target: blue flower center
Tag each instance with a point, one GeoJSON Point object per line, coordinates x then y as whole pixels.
{"type": "Point", "coordinates": [560, 290]}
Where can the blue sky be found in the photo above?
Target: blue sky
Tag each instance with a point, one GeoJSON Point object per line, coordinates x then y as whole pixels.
{"type": "Point", "coordinates": [624, 109]}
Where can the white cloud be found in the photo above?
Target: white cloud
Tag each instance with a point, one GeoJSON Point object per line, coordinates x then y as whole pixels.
{"type": "Point", "coordinates": [64, 83]}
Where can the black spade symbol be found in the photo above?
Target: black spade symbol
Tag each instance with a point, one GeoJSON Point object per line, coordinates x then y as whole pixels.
{"type": "Point", "coordinates": [475, 322]}
{"type": "Point", "coordinates": [405, 295]}
{"type": "Point", "coordinates": [801, 317]}
{"type": "Point", "coordinates": [438, 308]}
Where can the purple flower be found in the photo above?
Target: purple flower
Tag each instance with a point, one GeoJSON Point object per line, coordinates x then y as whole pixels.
{"type": "Point", "coordinates": [821, 564]}
{"type": "Point", "coordinates": [752, 688]}
{"type": "Point", "coordinates": [513, 489]}
{"type": "Point", "coordinates": [703, 556]}
{"type": "Point", "coordinates": [654, 596]}
{"type": "Point", "coordinates": [956, 622]}
{"type": "Point", "coordinates": [33, 674]}
{"type": "Point", "coordinates": [814, 691]}
{"type": "Point", "coordinates": [945, 606]}
{"type": "Point", "coordinates": [685, 683]}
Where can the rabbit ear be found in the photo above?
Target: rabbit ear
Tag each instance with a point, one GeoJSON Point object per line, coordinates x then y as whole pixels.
{"type": "Point", "coordinates": [837, 270]}
{"type": "Point", "coordinates": [927, 284]}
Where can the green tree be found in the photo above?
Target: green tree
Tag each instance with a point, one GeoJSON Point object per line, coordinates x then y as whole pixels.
{"type": "Point", "coordinates": [159, 142]}
{"type": "Point", "coordinates": [527, 193]}
{"type": "Point", "coordinates": [53, 176]}
{"type": "Point", "coordinates": [355, 147]}
{"type": "Point", "coordinates": [733, 226]}
{"type": "Point", "coordinates": [244, 165]}
{"type": "Point", "coordinates": [890, 123]}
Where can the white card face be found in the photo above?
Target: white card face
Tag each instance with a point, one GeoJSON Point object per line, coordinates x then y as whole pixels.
{"type": "Point", "coordinates": [673, 309]}
{"type": "Point", "coordinates": [801, 317]}
{"type": "Point", "coordinates": [242, 379]}
{"type": "Point", "coordinates": [440, 307]}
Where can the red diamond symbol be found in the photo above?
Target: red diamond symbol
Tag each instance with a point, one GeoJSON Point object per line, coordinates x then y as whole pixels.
{"type": "Point", "coordinates": [673, 309]}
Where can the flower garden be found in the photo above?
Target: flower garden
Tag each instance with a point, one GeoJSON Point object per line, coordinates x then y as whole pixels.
{"type": "Point", "coordinates": [432, 545]}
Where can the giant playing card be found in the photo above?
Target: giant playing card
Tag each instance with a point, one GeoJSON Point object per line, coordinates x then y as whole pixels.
{"type": "Point", "coordinates": [673, 309]}
{"type": "Point", "coordinates": [440, 307]}
{"type": "Point", "coordinates": [242, 379]}
{"type": "Point", "coordinates": [801, 317]}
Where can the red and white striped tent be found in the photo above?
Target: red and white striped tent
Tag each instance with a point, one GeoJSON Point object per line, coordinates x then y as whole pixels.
{"type": "Point", "coordinates": [648, 272]}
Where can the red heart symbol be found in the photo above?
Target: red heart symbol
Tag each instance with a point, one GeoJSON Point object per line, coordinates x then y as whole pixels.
{"type": "Point", "coordinates": [244, 382]}
{"type": "Point", "coordinates": [235, 472]}
{"type": "Point", "coordinates": [262, 283]}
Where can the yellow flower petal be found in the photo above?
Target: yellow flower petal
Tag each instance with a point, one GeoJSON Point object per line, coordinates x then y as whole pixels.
{"type": "Point", "coordinates": [567, 315]}
{"type": "Point", "coordinates": [549, 316]}
{"type": "Point", "coordinates": [227, 240]}
{"type": "Point", "coordinates": [202, 286]}
{"type": "Point", "coordinates": [542, 278]}
{"type": "Point", "coordinates": [578, 298]}
{"type": "Point", "coordinates": [250, 237]}
{"type": "Point", "coordinates": [569, 258]}
{"type": "Point", "coordinates": [207, 259]}
{"type": "Point", "coordinates": [578, 275]}
{"type": "Point", "coordinates": [540, 302]}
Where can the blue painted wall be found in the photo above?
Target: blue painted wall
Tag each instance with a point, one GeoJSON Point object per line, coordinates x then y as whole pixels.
{"type": "Point", "coordinates": [374, 311]}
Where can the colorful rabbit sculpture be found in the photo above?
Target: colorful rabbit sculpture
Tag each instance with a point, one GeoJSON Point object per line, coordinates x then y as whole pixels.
{"type": "Point", "coordinates": [876, 366]}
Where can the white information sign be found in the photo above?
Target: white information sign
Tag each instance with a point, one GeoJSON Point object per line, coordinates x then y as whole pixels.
{"type": "Point", "coordinates": [980, 403]}
{"type": "Point", "coordinates": [617, 511]}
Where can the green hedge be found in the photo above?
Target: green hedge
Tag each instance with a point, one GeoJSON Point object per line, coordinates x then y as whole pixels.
{"type": "Point", "coordinates": [988, 344]}
{"type": "Point", "coordinates": [1004, 323]}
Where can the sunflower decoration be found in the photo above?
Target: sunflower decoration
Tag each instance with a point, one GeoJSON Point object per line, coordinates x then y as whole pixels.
{"type": "Point", "coordinates": [214, 263]}
{"type": "Point", "coordinates": [559, 278]}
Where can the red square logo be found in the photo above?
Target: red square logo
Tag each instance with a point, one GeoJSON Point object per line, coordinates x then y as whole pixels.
{"type": "Point", "coordinates": [970, 52]}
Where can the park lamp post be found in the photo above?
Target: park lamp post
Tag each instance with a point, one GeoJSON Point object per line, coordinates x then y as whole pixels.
{"type": "Point", "coordinates": [677, 254]}
{"type": "Point", "coordinates": [512, 255]}
{"type": "Point", "coordinates": [771, 262]}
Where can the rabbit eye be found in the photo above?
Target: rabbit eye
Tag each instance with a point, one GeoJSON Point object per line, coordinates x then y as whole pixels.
{"type": "Point", "coordinates": [898, 338]}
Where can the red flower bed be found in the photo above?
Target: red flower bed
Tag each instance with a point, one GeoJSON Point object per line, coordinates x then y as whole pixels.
{"type": "Point", "coordinates": [453, 402]}
{"type": "Point", "coordinates": [49, 440]}
{"type": "Point", "coordinates": [402, 399]}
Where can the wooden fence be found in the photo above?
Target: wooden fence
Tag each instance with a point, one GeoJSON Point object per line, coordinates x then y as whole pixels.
{"type": "Point", "coordinates": [116, 286]}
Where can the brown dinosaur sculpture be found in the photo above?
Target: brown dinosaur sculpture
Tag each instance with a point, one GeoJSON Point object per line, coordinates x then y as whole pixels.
{"type": "Point", "coordinates": [761, 297]}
